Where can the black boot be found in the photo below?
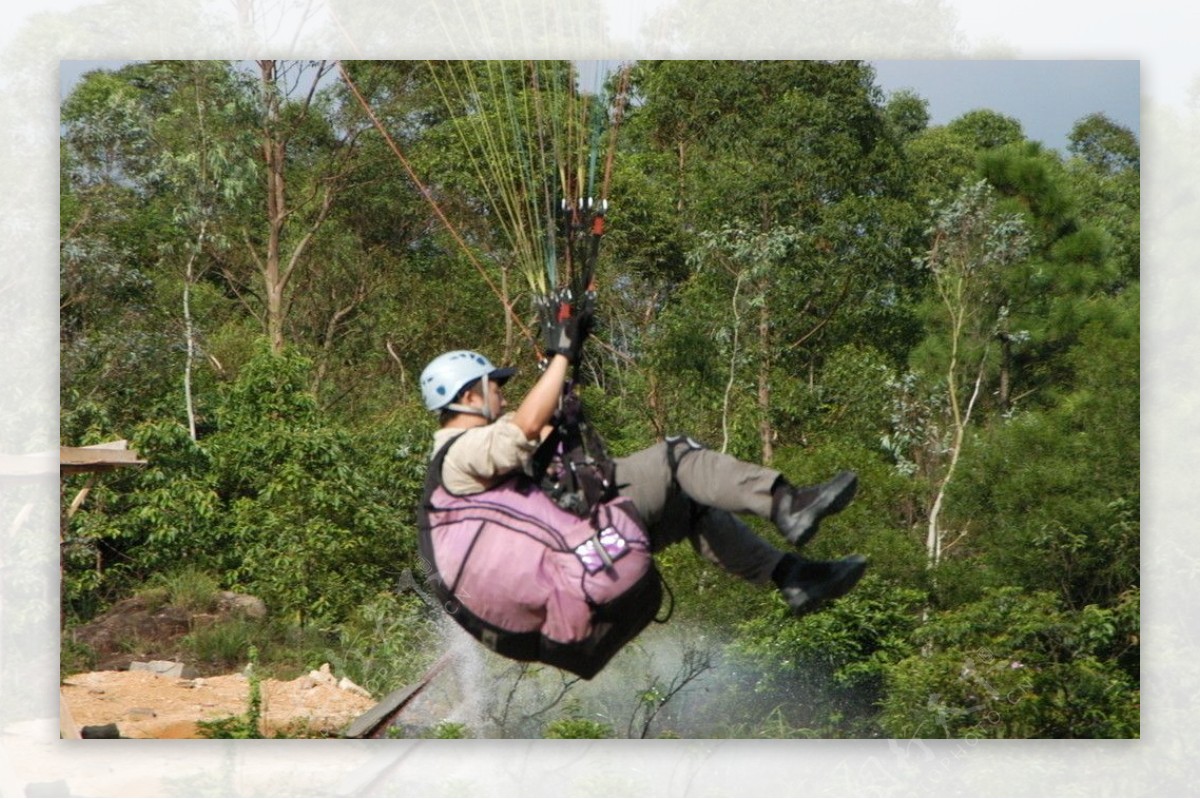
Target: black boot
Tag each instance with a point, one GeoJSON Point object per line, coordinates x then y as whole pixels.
{"type": "Point", "coordinates": [808, 584]}
{"type": "Point", "coordinates": [797, 512]}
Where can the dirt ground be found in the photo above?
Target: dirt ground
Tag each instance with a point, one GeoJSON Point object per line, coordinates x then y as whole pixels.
{"type": "Point", "coordinates": [147, 705]}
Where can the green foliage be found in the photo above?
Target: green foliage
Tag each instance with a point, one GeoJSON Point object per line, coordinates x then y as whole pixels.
{"type": "Point", "coordinates": [757, 291]}
{"type": "Point", "coordinates": [1054, 494]}
{"type": "Point", "coordinates": [831, 665]}
{"type": "Point", "coordinates": [984, 129]}
{"type": "Point", "coordinates": [189, 589]}
{"type": "Point", "coordinates": [75, 658]}
{"type": "Point", "coordinates": [854, 395]}
{"type": "Point", "coordinates": [1015, 665]}
{"type": "Point", "coordinates": [1105, 145]}
{"type": "Point", "coordinates": [385, 642]}
{"type": "Point", "coordinates": [447, 730]}
{"type": "Point", "coordinates": [1105, 177]}
{"type": "Point", "coordinates": [146, 521]}
{"type": "Point", "coordinates": [314, 532]}
{"type": "Point", "coordinates": [225, 645]}
{"type": "Point", "coordinates": [907, 113]}
{"type": "Point", "coordinates": [578, 728]}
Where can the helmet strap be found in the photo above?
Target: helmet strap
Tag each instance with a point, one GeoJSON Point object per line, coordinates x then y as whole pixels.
{"type": "Point", "coordinates": [485, 411]}
{"type": "Point", "coordinates": [487, 405]}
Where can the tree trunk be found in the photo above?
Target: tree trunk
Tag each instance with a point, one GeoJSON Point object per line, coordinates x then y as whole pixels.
{"type": "Point", "coordinates": [765, 430]}
{"type": "Point", "coordinates": [189, 328]}
{"type": "Point", "coordinates": [274, 153]}
{"type": "Point", "coordinates": [1004, 397]}
{"type": "Point", "coordinates": [277, 267]}
{"type": "Point", "coordinates": [733, 357]}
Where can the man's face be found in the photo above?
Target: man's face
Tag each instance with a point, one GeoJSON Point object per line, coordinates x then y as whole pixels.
{"type": "Point", "coordinates": [496, 399]}
{"type": "Point", "coordinates": [495, 403]}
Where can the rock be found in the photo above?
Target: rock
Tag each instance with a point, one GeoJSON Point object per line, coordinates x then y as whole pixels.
{"type": "Point", "coordinates": [323, 675]}
{"type": "Point", "coordinates": [244, 604]}
{"type": "Point", "coordinates": [165, 668]}
{"type": "Point", "coordinates": [346, 685]}
{"type": "Point", "coordinates": [130, 620]}
{"type": "Point", "coordinates": [156, 628]}
{"type": "Point", "coordinates": [100, 731]}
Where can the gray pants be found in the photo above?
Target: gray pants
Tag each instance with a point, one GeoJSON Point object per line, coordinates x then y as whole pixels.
{"type": "Point", "coordinates": [683, 490]}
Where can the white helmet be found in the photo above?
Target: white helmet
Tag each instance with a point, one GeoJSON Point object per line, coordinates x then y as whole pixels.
{"type": "Point", "coordinates": [449, 373]}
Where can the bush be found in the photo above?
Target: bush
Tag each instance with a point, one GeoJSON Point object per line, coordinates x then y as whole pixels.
{"type": "Point", "coordinates": [1016, 665]}
{"type": "Point", "coordinates": [189, 589]}
{"type": "Point", "coordinates": [386, 643]}
{"type": "Point", "coordinates": [578, 728]}
{"type": "Point", "coordinates": [315, 530]}
{"type": "Point", "coordinates": [829, 667]}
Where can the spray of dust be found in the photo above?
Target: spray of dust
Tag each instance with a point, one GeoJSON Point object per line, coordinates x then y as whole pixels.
{"type": "Point", "coordinates": [675, 680]}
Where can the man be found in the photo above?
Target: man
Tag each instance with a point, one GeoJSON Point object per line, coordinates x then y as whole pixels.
{"type": "Point", "coordinates": [678, 489]}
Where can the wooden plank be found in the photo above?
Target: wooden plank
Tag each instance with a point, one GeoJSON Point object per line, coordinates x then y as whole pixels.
{"type": "Point", "coordinates": [97, 457]}
{"type": "Point", "coordinates": [376, 721]}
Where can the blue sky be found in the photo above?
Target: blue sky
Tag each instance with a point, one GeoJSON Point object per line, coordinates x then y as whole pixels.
{"type": "Point", "coordinates": [1046, 97]}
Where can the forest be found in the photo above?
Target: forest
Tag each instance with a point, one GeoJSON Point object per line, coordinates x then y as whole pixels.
{"type": "Point", "coordinates": [257, 259]}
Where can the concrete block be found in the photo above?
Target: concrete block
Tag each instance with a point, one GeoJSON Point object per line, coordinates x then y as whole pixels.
{"type": "Point", "coordinates": [165, 668]}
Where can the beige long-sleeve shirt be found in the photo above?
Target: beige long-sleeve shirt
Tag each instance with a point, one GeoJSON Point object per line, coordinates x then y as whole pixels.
{"type": "Point", "coordinates": [483, 456]}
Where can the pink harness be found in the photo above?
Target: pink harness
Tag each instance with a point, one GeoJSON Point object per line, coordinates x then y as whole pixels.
{"type": "Point", "coordinates": [511, 564]}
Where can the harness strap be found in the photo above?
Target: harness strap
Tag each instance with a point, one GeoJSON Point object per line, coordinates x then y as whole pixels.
{"type": "Point", "coordinates": [673, 459]}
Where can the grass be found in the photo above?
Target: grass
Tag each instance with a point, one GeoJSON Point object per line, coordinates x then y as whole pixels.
{"type": "Point", "coordinates": [189, 589]}
{"type": "Point", "coordinates": [284, 651]}
{"type": "Point", "coordinates": [75, 658]}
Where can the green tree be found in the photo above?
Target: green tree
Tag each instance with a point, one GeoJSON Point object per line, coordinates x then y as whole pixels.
{"type": "Point", "coordinates": [202, 169]}
{"type": "Point", "coordinates": [1072, 263]}
{"type": "Point", "coordinates": [985, 129]}
{"type": "Point", "coordinates": [1057, 489]}
{"type": "Point", "coordinates": [297, 202]}
{"type": "Point", "coordinates": [145, 521]}
{"type": "Point", "coordinates": [313, 532]}
{"type": "Point", "coordinates": [765, 146]}
{"type": "Point", "coordinates": [748, 260]}
{"type": "Point", "coordinates": [938, 163]}
{"type": "Point", "coordinates": [1106, 146]}
{"type": "Point", "coordinates": [971, 243]}
{"type": "Point", "coordinates": [113, 332]}
{"type": "Point", "coordinates": [1105, 171]}
{"type": "Point", "coordinates": [907, 113]}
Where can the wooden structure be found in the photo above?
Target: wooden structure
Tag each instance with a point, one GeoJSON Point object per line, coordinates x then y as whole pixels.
{"type": "Point", "coordinates": [376, 721]}
{"type": "Point", "coordinates": [94, 460]}
{"type": "Point", "coordinates": [97, 458]}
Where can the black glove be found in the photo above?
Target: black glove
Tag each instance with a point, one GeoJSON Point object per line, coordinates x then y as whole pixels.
{"type": "Point", "coordinates": [566, 337]}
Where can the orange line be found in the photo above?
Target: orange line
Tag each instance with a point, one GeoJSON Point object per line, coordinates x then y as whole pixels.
{"type": "Point", "coordinates": [432, 203]}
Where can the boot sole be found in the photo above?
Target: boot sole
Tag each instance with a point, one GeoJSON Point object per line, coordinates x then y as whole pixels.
{"type": "Point", "coordinates": [837, 587]}
{"type": "Point", "coordinates": [843, 488]}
